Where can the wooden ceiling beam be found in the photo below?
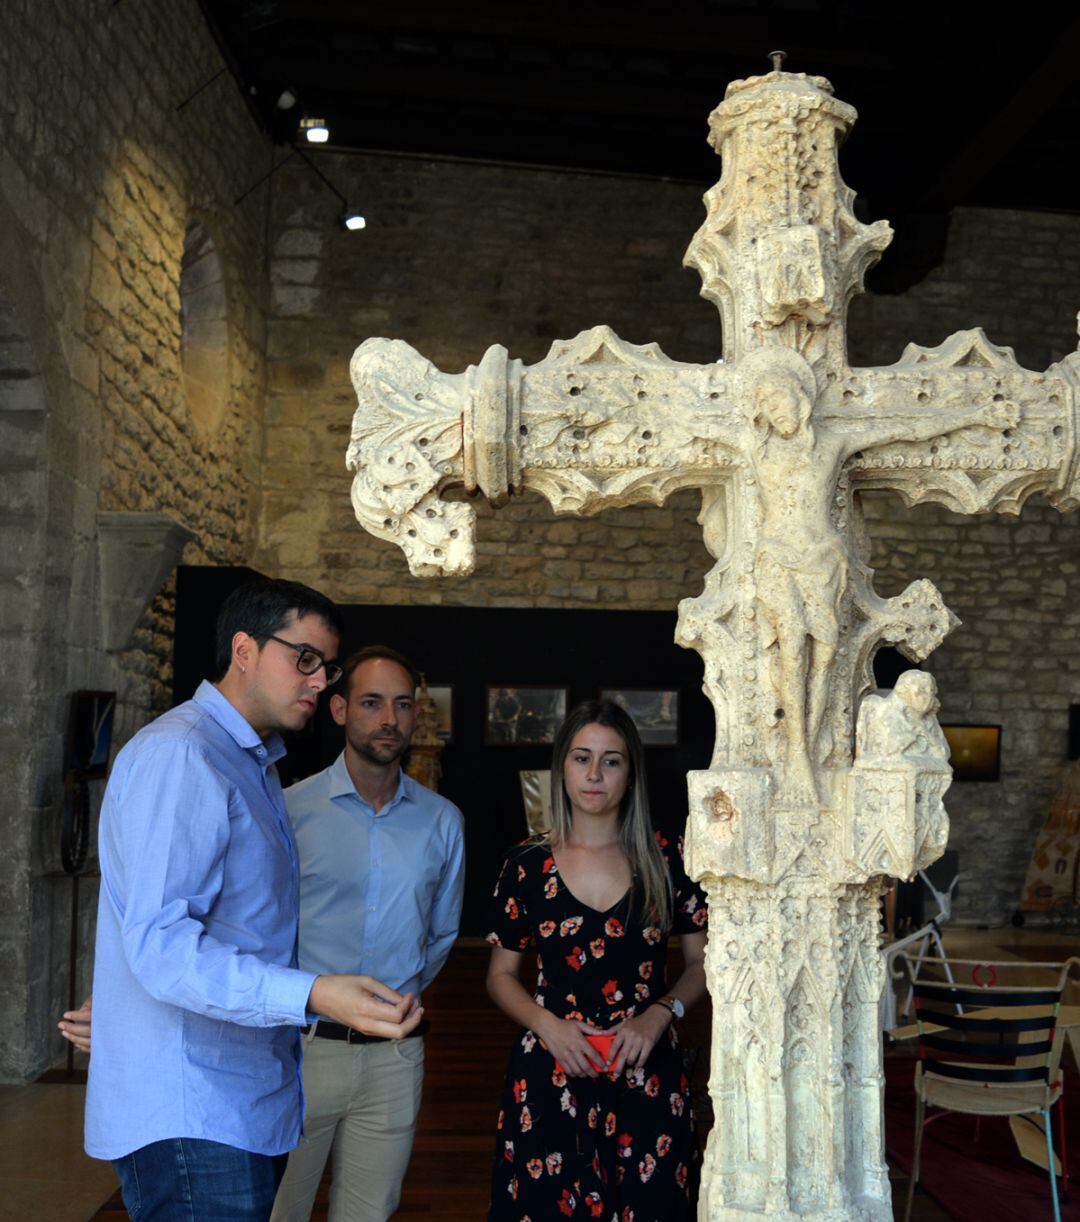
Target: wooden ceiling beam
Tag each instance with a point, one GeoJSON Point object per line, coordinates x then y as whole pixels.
{"type": "Point", "coordinates": [813, 45]}
{"type": "Point", "coordinates": [500, 84]}
{"type": "Point", "coordinates": [1058, 73]}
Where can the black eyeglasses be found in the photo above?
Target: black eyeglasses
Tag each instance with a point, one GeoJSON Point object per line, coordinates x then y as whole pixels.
{"type": "Point", "coordinates": [309, 660]}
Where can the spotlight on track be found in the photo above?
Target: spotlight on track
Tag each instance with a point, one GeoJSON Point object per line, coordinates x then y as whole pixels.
{"type": "Point", "coordinates": [314, 131]}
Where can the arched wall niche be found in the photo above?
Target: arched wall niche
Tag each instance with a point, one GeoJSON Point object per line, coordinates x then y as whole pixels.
{"type": "Point", "coordinates": [204, 344]}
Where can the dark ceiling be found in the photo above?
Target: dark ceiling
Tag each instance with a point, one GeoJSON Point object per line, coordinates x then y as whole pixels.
{"type": "Point", "coordinates": [956, 106]}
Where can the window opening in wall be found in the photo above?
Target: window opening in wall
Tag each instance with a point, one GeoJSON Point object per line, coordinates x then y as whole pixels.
{"type": "Point", "coordinates": [204, 351]}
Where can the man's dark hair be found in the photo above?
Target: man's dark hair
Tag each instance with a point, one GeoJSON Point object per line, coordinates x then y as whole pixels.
{"type": "Point", "coordinates": [377, 651]}
{"type": "Point", "coordinates": [262, 608]}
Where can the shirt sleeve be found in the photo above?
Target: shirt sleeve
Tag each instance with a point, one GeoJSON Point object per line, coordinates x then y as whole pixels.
{"type": "Point", "coordinates": [508, 914]}
{"type": "Point", "coordinates": [446, 911]}
{"type": "Point", "coordinates": [690, 909]}
{"type": "Point", "coordinates": [164, 846]}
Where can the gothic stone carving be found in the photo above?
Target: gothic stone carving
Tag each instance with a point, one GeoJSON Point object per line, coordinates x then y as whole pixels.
{"type": "Point", "coordinates": [789, 831]}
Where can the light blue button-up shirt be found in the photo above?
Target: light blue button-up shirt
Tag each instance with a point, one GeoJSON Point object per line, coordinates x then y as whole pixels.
{"type": "Point", "coordinates": [196, 995]}
{"type": "Point", "coordinates": [380, 893]}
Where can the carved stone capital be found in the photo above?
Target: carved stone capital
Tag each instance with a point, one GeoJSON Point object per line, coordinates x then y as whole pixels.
{"type": "Point", "coordinates": [781, 251]}
{"type": "Point", "coordinates": [406, 446]}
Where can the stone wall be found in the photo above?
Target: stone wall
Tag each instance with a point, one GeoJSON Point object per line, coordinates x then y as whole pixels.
{"type": "Point", "coordinates": [457, 257]}
{"type": "Point", "coordinates": [101, 176]}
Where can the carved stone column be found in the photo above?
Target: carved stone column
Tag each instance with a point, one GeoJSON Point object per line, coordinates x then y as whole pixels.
{"type": "Point", "coordinates": [818, 789]}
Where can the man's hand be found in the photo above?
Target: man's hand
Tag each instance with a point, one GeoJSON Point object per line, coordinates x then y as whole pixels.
{"type": "Point", "coordinates": [75, 1026]}
{"type": "Point", "coordinates": [365, 1005]}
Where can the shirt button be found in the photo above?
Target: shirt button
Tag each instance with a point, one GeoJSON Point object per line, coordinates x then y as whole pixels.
{"type": "Point", "coordinates": [260, 751]}
{"type": "Point", "coordinates": [372, 908]}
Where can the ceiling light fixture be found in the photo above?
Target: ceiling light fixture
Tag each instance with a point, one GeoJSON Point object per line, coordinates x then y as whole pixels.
{"type": "Point", "coordinates": [286, 99]}
{"type": "Point", "coordinates": [314, 131]}
{"type": "Point", "coordinates": [351, 219]}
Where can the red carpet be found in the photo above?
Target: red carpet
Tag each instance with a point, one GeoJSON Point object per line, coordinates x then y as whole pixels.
{"type": "Point", "coordinates": [984, 1181]}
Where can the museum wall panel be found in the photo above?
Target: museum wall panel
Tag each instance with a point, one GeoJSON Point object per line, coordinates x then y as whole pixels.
{"type": "Point", "coordinates": [102, 173]}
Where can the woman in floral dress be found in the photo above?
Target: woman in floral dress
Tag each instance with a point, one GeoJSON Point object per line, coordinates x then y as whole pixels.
{"type": "Point", "coordinates": [586, 1133]}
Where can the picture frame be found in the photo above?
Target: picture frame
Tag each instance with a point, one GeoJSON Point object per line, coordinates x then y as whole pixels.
{"type": "Point", "coordinates": [974, 751]}
{"type": "Point", "coordinates": [443, 695]}
{"type": "Point", "coordinates": [523, 715]}
{"type": "Point", "coordinates": [655, 711]}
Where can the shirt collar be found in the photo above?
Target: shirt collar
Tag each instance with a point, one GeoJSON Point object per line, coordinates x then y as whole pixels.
{"type": "Point", "coordinates": [341, 786]}
{"type": "Point", "coordinates": [236, 725]}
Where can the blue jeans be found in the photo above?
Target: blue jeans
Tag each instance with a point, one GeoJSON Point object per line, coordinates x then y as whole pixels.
{"type": "Point", "coordinates": [186, 1179]}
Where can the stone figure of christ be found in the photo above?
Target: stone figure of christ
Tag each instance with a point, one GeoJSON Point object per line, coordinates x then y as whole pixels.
{"type": "Point", "coordinates": [801, 561]}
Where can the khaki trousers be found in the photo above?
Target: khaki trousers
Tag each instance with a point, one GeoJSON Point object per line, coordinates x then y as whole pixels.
{"type": "Point", "coordinates": [362, 1104]}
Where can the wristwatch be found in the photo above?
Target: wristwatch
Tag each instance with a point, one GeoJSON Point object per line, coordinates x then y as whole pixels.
{"type": "Point", "coordinates": [673, 1004]}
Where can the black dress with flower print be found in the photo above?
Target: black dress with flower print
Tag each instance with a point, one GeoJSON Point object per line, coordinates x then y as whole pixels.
{"type": "Point", "coordinates": [622, 1150]}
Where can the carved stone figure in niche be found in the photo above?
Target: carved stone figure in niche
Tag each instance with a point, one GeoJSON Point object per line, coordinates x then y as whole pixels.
{"type": "Point", "coordinates": [903, 724]}
{"type": "Point", "coordinates": [801, 560]}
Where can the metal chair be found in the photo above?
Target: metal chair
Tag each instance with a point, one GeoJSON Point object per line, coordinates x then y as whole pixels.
{"type": "Point", "coordinates": [1015, 1072]}
{"type": "Point", "coordinates": [925, 941]}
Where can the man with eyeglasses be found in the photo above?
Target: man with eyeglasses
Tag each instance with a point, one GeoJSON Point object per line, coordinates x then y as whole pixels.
{"type": "Point", "coordinates": [381, 881]}
{"type": "Point", "coordinates": [194, 1091]}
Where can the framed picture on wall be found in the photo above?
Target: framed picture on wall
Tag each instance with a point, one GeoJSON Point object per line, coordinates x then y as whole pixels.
{"type": "Point", "coordinates": [655, 712]}
{"type": "Point", "coordinates": [523, 716]}
{"type": "Point", "coordinates": [974, 752]}
{"type": "Point", "coordinates": [443, 695]}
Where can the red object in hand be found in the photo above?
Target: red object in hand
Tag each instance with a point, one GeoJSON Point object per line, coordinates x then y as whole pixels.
{"type": "Point", "coordinates": [602, 1044]}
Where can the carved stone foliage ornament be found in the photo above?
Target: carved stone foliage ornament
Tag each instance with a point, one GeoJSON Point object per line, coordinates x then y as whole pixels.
{"type": "Point", "coordinates": [818, 787]}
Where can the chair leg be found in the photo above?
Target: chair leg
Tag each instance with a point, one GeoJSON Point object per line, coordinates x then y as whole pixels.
{"type": "Point", "coordinates": [1063, 1142]}
{"type": "Point", "coordinates": [919, 1113]}
{"type": "Point", "coordinates": [1050, 1164]}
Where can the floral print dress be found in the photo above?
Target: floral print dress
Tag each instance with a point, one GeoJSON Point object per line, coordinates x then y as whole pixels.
{"type": "Point", "coordinates": [622, 1150]}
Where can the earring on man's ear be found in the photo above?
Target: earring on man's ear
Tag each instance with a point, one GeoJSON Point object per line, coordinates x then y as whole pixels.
{"type": "Point", "coordinates": [243, 670]}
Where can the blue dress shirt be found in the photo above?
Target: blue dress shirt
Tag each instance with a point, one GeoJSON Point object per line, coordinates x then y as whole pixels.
{"type": "Point", "coordinates": [196, 995]}
{"type": "Point", "coordinates": [380, 893]}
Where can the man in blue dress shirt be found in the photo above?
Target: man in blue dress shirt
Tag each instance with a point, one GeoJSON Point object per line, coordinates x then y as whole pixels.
{"type": "Point", "coordinates": [194, 1091]}
{"type": "Point", "coordinates": [381, 882]}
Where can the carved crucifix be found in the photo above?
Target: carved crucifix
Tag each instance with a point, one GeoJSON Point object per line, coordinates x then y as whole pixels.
{"type": "Point", "coordinates": [796, 824]}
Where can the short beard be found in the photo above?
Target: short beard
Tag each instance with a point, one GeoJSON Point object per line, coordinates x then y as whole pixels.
{"type": "Point", "coordinates": [374, 755]}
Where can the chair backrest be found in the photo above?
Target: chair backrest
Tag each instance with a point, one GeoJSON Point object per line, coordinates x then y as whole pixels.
{"type": "Point", "coordinates": [1014, 1043]}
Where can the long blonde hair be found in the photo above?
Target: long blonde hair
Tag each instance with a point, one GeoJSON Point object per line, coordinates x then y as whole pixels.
{"type": "Point", "coordinates": [636, 836]}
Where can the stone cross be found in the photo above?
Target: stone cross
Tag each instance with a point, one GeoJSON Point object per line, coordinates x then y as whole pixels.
{"type": "Point", "coordinates": [818, 789]}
